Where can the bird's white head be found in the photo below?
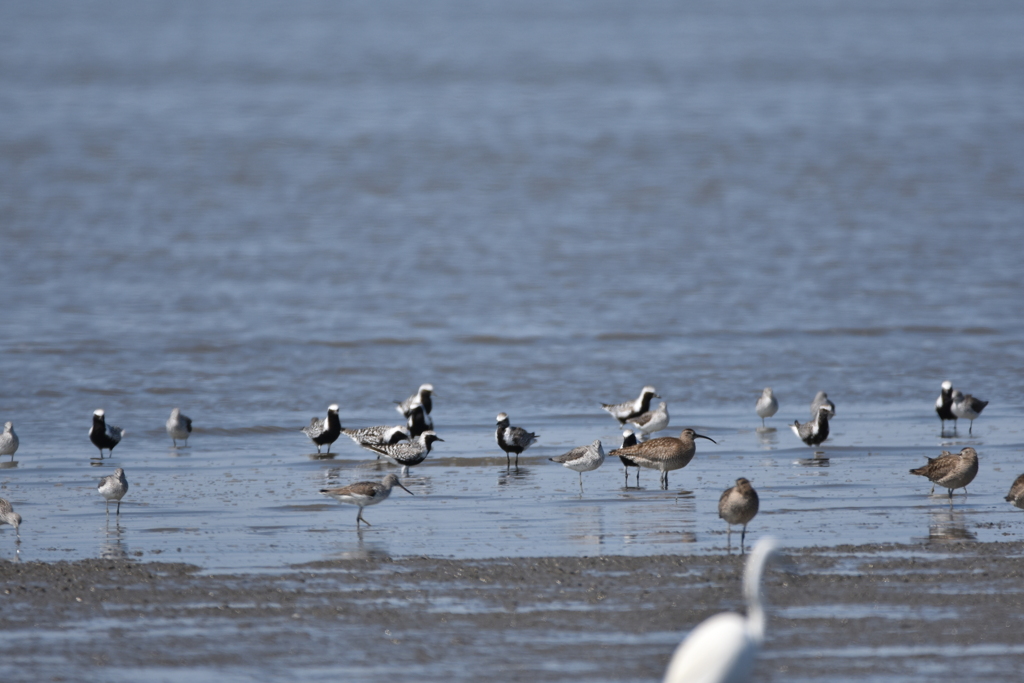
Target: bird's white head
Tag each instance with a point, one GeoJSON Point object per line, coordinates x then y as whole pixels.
{"type": "Point", "coordinates": [426, 388]}
{"type": "Point", "coordinates": [333, 408]}
{"type": "Point", "coordinates": [767, 391]}
{"type": "Point", "coordinates": [649, 390]}
{"type": "Point", "coordinates": [8, 426]}
{"type": "Point", "coordinates": [98, 412]}
{"type": "Point", "coordinates": [947, 385]}
{"type": "Point", "coordinates": [501, 417]}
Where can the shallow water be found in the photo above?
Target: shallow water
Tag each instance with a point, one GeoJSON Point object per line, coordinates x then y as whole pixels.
{"type": "Point", "coordinates": [252, 211]}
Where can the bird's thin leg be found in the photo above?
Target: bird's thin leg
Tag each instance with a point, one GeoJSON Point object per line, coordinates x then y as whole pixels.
{"type": "Point", "coordinates": [762, 423]}
{"type": "Point", "coordinates": [970, 430]}
{"type": "Point", "coordinates": [517, 462]}
{"type": "Point", "coordinates": [328, 448]}
{"type": "Point", "coordinates": [933, 490]}
{"type": "Point", "coordinates": [743, 538]}
{"type": "Point", "coordinates": [728, 539]}
{"type": "Point", "coordinates": [508, 461]}
{"type": "Point", "coordinates": [638, 476]}
{"type": "Point", "coordinates": [108, 507]}
{"type": "Point", "coordinates": [950, 495]}
{"type": "Point", "coordinates": [118, 507]}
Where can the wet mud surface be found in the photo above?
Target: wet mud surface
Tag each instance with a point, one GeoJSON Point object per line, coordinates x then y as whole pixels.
{"type": "Point", "coordinates": [865, 613]}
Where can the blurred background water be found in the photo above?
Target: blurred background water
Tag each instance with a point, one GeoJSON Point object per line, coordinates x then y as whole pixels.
{"type": "Point", "coordinates": [252, 210]}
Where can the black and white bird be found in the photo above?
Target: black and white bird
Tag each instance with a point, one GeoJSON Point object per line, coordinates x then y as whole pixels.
{"type": "Point", "coordinates": [406, 454]}
{"type": "Point", "coordinates": [365, 493]}
{"type": "Point", "coordinates": [377, 436]}
{"type": "Point", "coordinates": [9, 440]}
{"type": "Point", "coordinates": [418, 421]}
{"type": "Point", "coordinates": [422, 397]}
{"type": "Point", "coordinates": [326, 431]}
{"type": "Point", "coordinates": [767, 405]}
{"type": "Point", "coordinates": [638, 406]}
{"type": "Point", "coordinates": [652, 421]}
{"type": "Point", "coordinates": [512, 439]}
{"type": "Point", "coordinates": [821, 399]}
{"type": "Point", "coordinates": [582, 459]}
{"type": "Point", "coordinates": [103, 435]}
{"type": "Point", "coordinates": [629, 439]}
{"type": "Point", "coordinates": [113, 487]}
{"type": "Point", "coordinates": [178, 427]}
{"type": "Point", "coordinates": [944, 405]}
{"type": "Point", "coordinates": [967, 408]}
{"type": "Point", "coordinates": [816, 431]}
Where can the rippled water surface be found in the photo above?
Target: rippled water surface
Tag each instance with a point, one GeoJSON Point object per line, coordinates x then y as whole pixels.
{"type": "Point", "coordinates": [254, 210]}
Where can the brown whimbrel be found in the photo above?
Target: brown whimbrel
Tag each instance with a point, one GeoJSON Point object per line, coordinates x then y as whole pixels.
{"type": "Point", "coordinates": [1016, 494]}
{"type": "Point", "coordinates": [951, 470]}
{"type": "Point", "coordinates": [738, 505]}
{"type": "Point", "coordinates": [665, 454]}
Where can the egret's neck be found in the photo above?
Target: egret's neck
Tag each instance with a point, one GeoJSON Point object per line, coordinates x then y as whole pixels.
{"type": "Point", "coordinates": [752, 588]}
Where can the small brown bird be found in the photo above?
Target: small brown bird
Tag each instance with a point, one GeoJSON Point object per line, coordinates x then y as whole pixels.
{"type": "Point", "coordinates": [665, 454]}
{"type": "Point", "coordinates": [365, 493]}
{"type": "Point", "coordinates": [1016, 494]}
{"type": "Point", "coordinates": [9, 516]}
{"type": "Point", "coordinates": [738, 505]}
{"type": "Point", "coordinates": [951, 470]}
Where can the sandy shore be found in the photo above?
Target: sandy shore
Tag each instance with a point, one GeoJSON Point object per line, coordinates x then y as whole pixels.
{"type": "Point", "coordinates": [943, 612]}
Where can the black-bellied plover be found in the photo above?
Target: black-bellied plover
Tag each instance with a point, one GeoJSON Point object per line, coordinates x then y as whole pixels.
{"type": "Point", "coordinates": [944, 405]}
{"type": "Point", "coordinates": [582, 459]}
{"type": "Point", "coordinates": [102, 434]}
{"type": "Point", "coordinates": [652, 421]}
{"type": "Point", "coordinates": [738, 505]}
{"type": "Point", "coordinates": [1016, 494]}
{"type": "Point", "coordinates": [967, 408]}
{"type": "Point", "coordinates": [377, 436]}
{"type": "Point", "coordinates": [664, 454]}
{"type": "Point", "coordinates": [723, 648]}
{"type": "Point", "coordinates": [821, 399]}
{"type": "Point", "coordinates": [951, 470]}
{"type": "Point", "coordinates": [178, 427]}
{"type": "Point", "coordinates": [418, 421]}
{"type": "Point", "coordinates": [113, 487]}
{"type": "Point", "coordinates": [365, 493]}
{"type": "Point", "coordinates": [767, 405]}
{"type": "Point", "coordinates": [9, 440]}
{"type": "Point", "coordinates": [9, 516]}
{"type": "Point", "coordinates": [638, 406]}
{"type": "Point", "coordinates": [422, 397]}
{"type": "Point", "coordinates": [629, 439]}
{"type": "Point", "coordinates": [406, 454]}
{"type": "Point", "coordinates": [512, 439]}
{"type": "Point", "coordinates": [325, 431]}
{"type": "Point", "coordinates": [814, 432]}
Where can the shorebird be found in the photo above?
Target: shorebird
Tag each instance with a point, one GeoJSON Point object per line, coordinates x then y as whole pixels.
{"type": "Point", "coordinates": [324, 431]}
{"type": "Point", "coordinates": [944, 405]}
{"type": "Point", "coordinates": [406, 454]}
{"type": "Point", "coordinates": [967, 408]}
{"type": "Point", "coordinates": [767, 405]}
{"type": "Point", "coordinates": [629, 439]}
{"type": "Point", "coordinates": [1016, 494]}
{"type": "Point", "coordinates": [365, 493]}
{"type": "Point", "coordinates": [821, 399]}
{"type": "Point", "coordinates": [722, 649]}
{"type": "Point", "coordinates": [582, 459]}
{"type": "Point", "coordinates": [639, 406]}
{"type": "Point", "coordinates": [9, 516]}
{"type": "Point", "coordinates": [420, 398]}
{"type": "Point", "coordinates": [665, 454]}
{"type": "Point", "coordinates": [512, 439]}
{"type": "Point", "coordinates": [813, 433]}
{"type": "Point", "coordinates": [9, 441]}
{"type": "Point", "coordinates": [103, 435]}
{"type": "Point", "coordinates": [651, 421]}
{"type": "Point", "coordinates": [738, 505]}
{"type": "Point", "coordinates": [113, 487]}
{"type": "Point", "coordinates": [377, 436]}
{"type": "Point", "coordinates": [418, 421]}
{"type": "Point", "coordinates": [951, 470]}
{"type": "Point", "coordinates": [178, 427]}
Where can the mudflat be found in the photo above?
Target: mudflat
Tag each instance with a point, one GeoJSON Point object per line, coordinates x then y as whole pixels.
{"type": "Point", "coordinates": [857, 613]}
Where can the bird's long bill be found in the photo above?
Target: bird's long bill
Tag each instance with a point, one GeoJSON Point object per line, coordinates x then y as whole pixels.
{"type": "Point", "coordinates": [404, 489]}
{"type": "Point", "coordinates": [701, 436]}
